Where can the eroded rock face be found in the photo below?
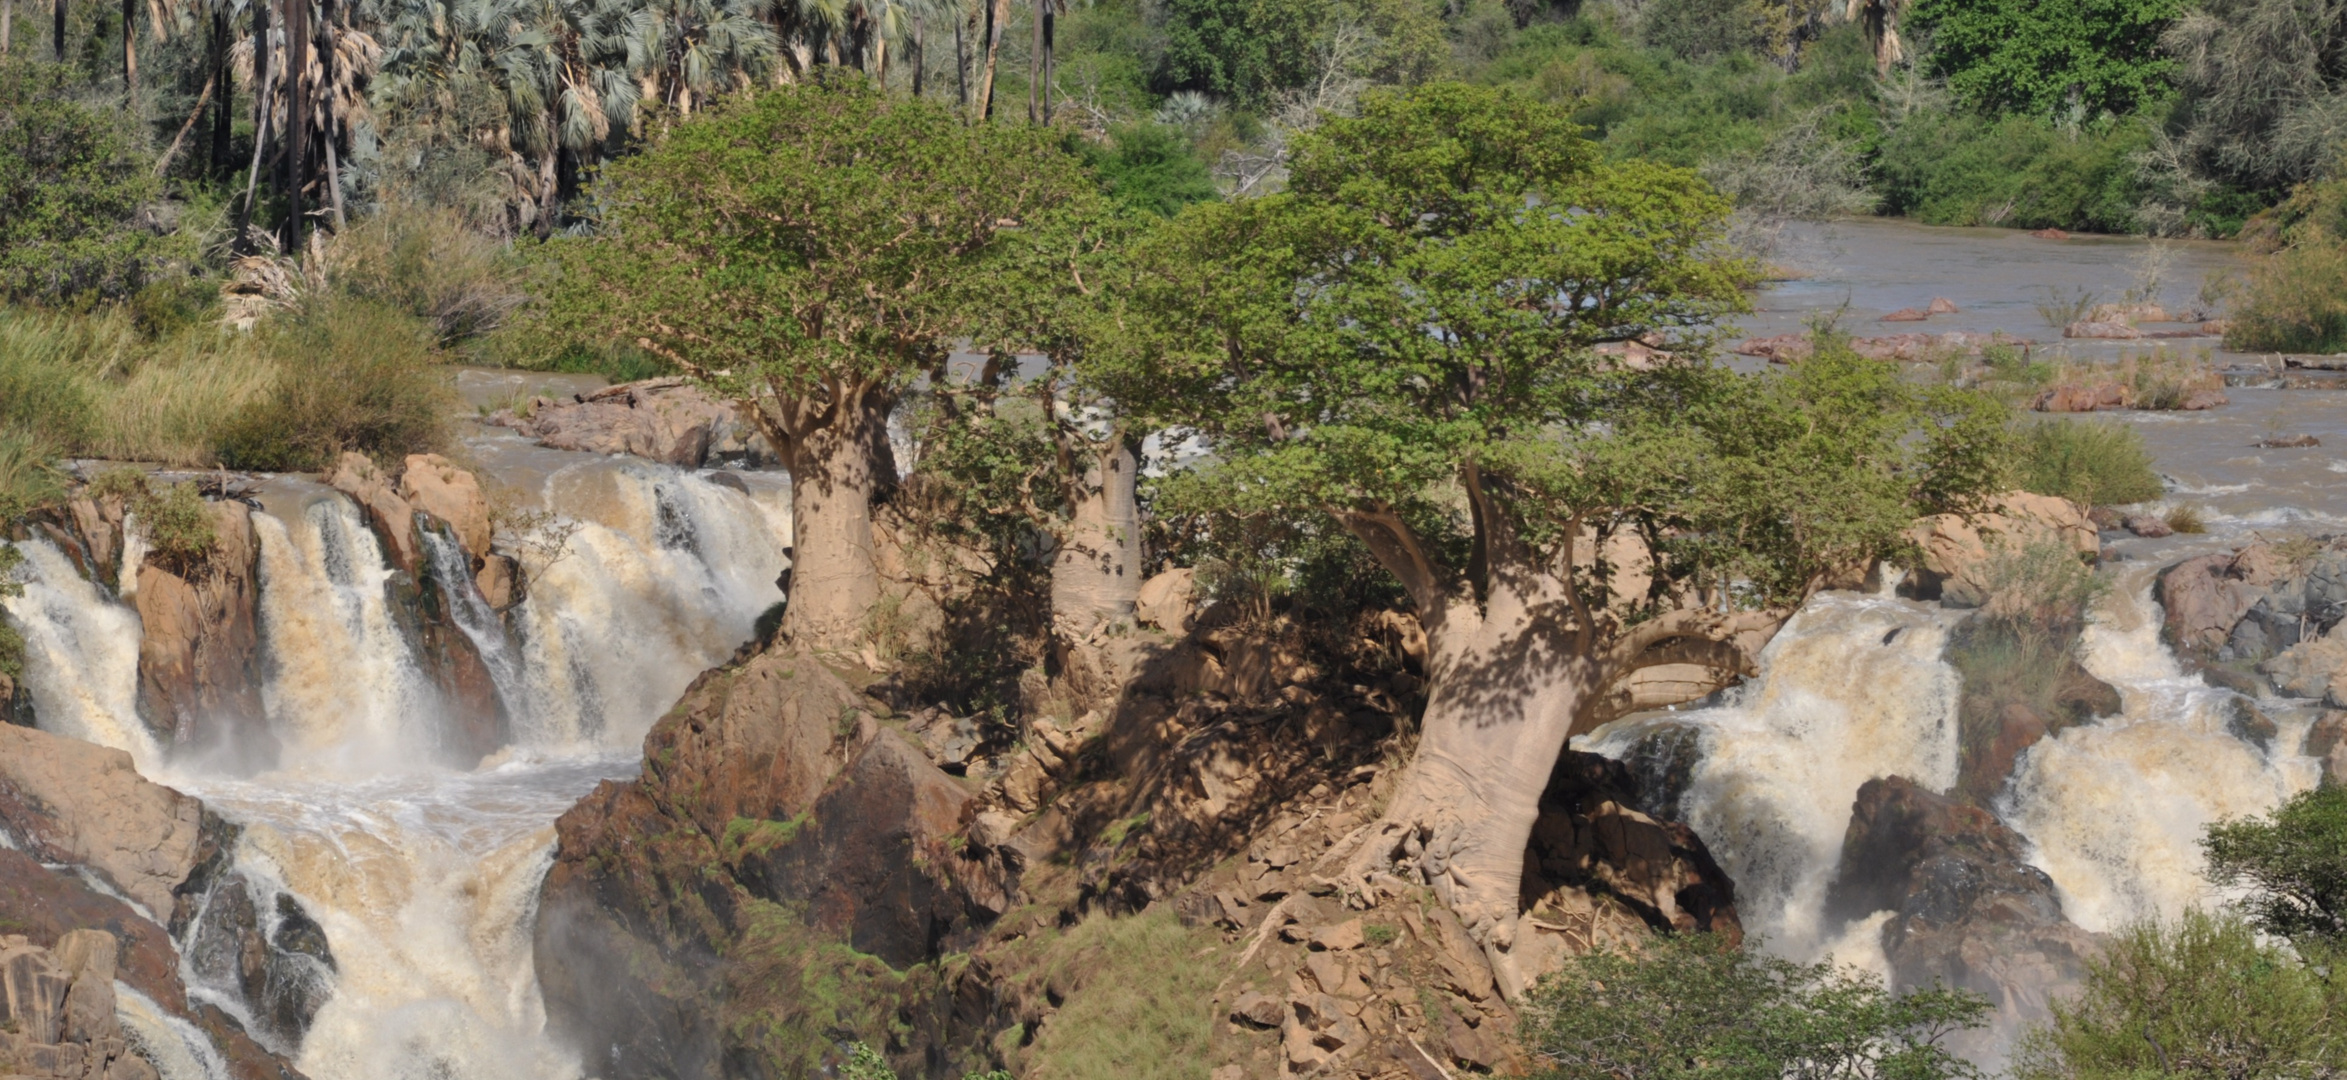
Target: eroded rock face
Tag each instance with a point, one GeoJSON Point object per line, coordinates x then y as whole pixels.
{"type": "Point", "coordinates": [1967, 907]}
{"type": "Point", "coordinates": [769, 792]}
{"type": "Point", "coordinates": [200, 653]}
{"type": "Point", "coordinates": [436, 486]}
{"type": "Point", "coordinates": [392, 517]}
{"type": "Point", "coordinates": [60, 913]}
{"type": "Point", "coordinates": [74, 802]}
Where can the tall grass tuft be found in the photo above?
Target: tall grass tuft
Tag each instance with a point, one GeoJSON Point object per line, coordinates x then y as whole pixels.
{"type": "Point", "coordinates": [351, 374]}
{"type": "Point", "coordinates": [2087, 462]}
{"type": "Point", "coordinates": [425, 260]}
{"type": "Point", "coordinates": [1144, 1011]}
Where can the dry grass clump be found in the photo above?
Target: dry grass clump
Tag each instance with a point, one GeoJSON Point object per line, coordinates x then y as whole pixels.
{"type": "Point", "coordinates": [427, 262]}
{"type": "Point", "coordinates": [1145, 1010]}
{"type": "Point", "coordinates": [2089, 462]}
{"type": "Point", "coordinates": [2186, 518]}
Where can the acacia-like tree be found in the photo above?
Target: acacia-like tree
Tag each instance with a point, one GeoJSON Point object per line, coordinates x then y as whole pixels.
{"type": "Point", "coordinates": [1407, 340]}
{"type": "Point", "coordinates": [809, 252]}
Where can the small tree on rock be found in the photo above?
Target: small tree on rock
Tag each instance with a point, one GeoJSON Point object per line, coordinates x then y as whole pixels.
{"type": "Point", "coordinates": [809, 252]}
{"type": "Point", "coordinates": [1407, 339]}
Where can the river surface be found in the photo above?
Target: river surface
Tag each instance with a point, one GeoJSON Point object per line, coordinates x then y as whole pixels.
{"type": "Point", "coordinates": [425, 874]}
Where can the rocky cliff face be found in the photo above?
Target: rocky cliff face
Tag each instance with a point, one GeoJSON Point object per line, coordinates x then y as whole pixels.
{"type": "Point", "coordinates": [57, 1010]}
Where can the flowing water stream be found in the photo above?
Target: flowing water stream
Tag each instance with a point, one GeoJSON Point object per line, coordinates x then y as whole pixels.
{"type": "Point", "coordinates": [422, 869]}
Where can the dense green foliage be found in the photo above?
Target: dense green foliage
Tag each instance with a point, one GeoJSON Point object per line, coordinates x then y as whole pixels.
{"type": "Point", "coordinates": [71, 191]}
{"type": "Point", "coordinates": [1693, 1007]}
{"type": "Point", "coordinates": [2068, 59]}
{"type": "Point", "coordinates": [2089, 462]}
{"type": "Point", "coordinates": [2292, 864]}
{"type": "Point", "coordinates": [1396, 327]}
{"type": "Point", "coordinates": [2202, 997]}
{"type": "Point", "coordinates": [1149, 166]}
{"type": "Point", "coordinates": [2295, 298]}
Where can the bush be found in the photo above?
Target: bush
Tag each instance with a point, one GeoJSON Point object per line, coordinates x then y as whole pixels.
{"type": "Point", "coordinates": [2021, 172]}
{"type": "Point", "coordinates": [2069, 59]}
{"type": "Point", "coordinates": [171, 517]}
{"type": "Point", "coordinates": [71, 190]}
{"type": "Point", "coordinates": [427, 262]}
{"type": "Point", "coordinates": [2088, 462]}
{"type": "Point", "coordinates": [1693, 1006]}
{"type": "Point", "coordinates": [2295, 298]}
{"type": "Point", "coordinates": [1150, 167]}
{"type": "Point", "coordinates": [2200, 997]}
{"type": "Point", "coordinates": [2292, 864]}
{"type": "Point", "coordinates": [354, 375]}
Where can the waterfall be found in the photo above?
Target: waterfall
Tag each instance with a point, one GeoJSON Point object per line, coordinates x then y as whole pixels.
{"type": "Point", "coordinates": [81, 656]}
{"type": "Point", "coordinates": [1851, 689]}
{"type": "Point", "coordinates": [177, 1049]}
{"type": "Point", "coordinates": [424, 877]}
{"type": "Point", "coordinates": [2116, 808]}
{"type": "Point", "coordinates": [344, 688]}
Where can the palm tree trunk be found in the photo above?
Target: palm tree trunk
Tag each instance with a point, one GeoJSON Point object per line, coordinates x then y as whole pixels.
{"type": "Point", "coordinates": [1050, 52]}
{"type": "Point", "coordinates": [919, 58]}
{"type": "Point", "coordinates": [961, 63]}
{"type": "Point", "coordinates": [332, 131]}
{"type": "Point", "coordinates": [57, 30]}
{"type": "Point", "coordinates": [261, 90]}
{"type": "Point", "coordinates": [130, 56]}
{"type": "Point", "coordinates": [297, 118]}
{"type": "Point", "coordinates": [998, 13]}
{"type": "Point", "coordinates": [7, 18]}
{"type": "Point", "coordinates": [1034, 66]}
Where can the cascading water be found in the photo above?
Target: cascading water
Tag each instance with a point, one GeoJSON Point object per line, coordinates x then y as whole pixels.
{"type": "Point", "coordinates": [81, 655]}
{"type": "Point", "coordinates": [423, 877]}
{"type": "Point", "coordinates": [1852, 688]}
{"type": "Point", "coordinates": [2116, 808]}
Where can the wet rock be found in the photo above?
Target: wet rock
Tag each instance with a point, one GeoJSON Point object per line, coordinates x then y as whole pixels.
{"type": "Point", "coordinates": [60, 912]}
{"type": "Point", "coordinates": [1907, 315]}
{"type": "Point", "coordinates": [498, 581]}
{"type": "Point", "coordinates": [1941, 305]}
{"type": "Point", "coordinates": [2326, 741]}
{"type": "Point", "coordinates": [2206, 596]}
{"type": "Point", "coordinates": [2105, 518]}
{"type": "Point", "coordinates": [2148, 526]}
{"type": "Point", "coordinates": [1967, 907]}
{"type": "Point", "coordinates": [2202, 400]}
{"type": "Point", "coordinates": [74, 802]}
{"type": "Point", "coordinates": [436, 486]}
{"type": "Point", "coordinates": [389, 515]}
{"type": "Point", "coordinates": [2280, 443]}
{"type": "Point", "coordinates": [665, 420]}
{"type": "Point", "coordinates": [284, 975]}
{"type": "Point", "coordinates": [2312, 669]}
{"type": "Point", "coordinates": [200, 647]}
{"type": "Point", "coordinates": [1955, 549]}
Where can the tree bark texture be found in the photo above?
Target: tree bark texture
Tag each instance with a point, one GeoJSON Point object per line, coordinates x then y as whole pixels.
{"type": "Point", "coordinates": [1515, 667]}
{"type": "Point", "coordinates": [57, 29]}
{"type": "Point", "coordinates": [130, 56]}
{"type": "Point", "coordinates": [223, 122]}
{"type": "Point", "coordinates": [297, 118]}
{"type": "Point", "coordinates": [262, 88]}
{"type": "Point", "coordinates": [834, 441]}
{"type": "Point", "coordinates": [1096, 572]}
{"type": "Point", "coordinates": [998, 13]}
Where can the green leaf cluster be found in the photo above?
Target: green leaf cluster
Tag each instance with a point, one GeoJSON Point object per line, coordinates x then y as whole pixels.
{"type": "Point", "coordinates": [2292, 863]}
{"type": "Point", "coordinates": [2068, 59]}
{"type": "Point", "coordinates": [1411, 331]}
{"type": "Point", "coordinates": [1694, 1007]}
{"type": "Point", "coordinates": [70, 192]}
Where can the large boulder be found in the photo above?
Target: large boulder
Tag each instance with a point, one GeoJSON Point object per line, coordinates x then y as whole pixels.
{"type": "Point", "coordinates": [774, 814]}
{"type": "Point", "coordinates": [2207, 597]}
{"type": "Point", "coordinates": [200, 649]}
{"type": "Point", "coordinates": [1955, 549]}
{"type": "Point", "coordinates": [69, 801]}
{"type": "Point", "coordinates": [391, 516]}
{"type": "Point", "coordinates": [665, 420]}
{"type": "Point", "coordinates": [436, 486]}
{"type": "Point", "coordinates": [1966, 906]}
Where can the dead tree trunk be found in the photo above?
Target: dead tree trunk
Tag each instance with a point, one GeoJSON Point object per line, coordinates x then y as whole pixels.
{"type": "Point", "coordinates": [1096, 572]}
{"type": "Point", "coordinates": [262, 88]}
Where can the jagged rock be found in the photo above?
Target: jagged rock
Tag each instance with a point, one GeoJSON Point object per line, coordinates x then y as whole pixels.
{"type": "Point", "coordinates": [1941, 305]}
{"type": "Point", "coordinates": [436, 486]}
{"type": "Point", "coordinates": [2148, 526]}
{"type": "Point", "coordinates": [769, 788]}
{"type": "Point", "coordinates": [1165, 600]}
{"type": "Point", "coordinates": [70, 801]}
{"type": "Point", "coordinates": [1955, 549]}
{"type": "Point", "coordinates": [2205, 597]}
{"type": "Point", "coordinates": [1258, 1009]}
{"type": "Point", "coordinates": [1907, 315]}
{"type": "Point", "coordinates": [2326, 741]}
{"type": "Point", "coordinates": [2108, 331]}
{"type": "Point", "coordinates": [2312, 669]}
{"type": "Point", "coordinates": [285, 977]}
{"type": "Point", "coordinates": [665, 420]}
{"type": "Point", "coordinates": [1968, 907]}
{"type": "Point", "coordinates": [2279, 443]}
{"type": "Point", "coordinates": [200, 649]}
{"type": "Point", "coordinates": [497, 580]}
{"type": "Point", "coordinates": [392, 518]}
{"type": "Point", "coordinates": [87, 931]}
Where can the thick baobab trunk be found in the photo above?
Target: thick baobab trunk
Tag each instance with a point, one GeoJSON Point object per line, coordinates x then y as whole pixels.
{"type": "Point", "coordinates": [836, 470]}
{"type": "Point", "coordinates": [1096, 573]}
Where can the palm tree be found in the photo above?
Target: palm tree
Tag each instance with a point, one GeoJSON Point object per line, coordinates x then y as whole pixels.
{"type": "Point", "coordinates": [1880, 18]}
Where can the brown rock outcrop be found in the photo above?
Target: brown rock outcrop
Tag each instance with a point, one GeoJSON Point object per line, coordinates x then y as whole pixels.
{"type": "Point", "coordinates": [1955, 548]}
{"type": "Point", "coordinates": [2076, 398]}
{"type": "Point", "coordinates": [54, 909]}
{"type": "Point", "coordinates": [200, 652]}
{"type": "Point", "coordinates": [1907, 315]}
{"type": "Point", "coordinates": [665, 420]}
{"type": "Point", "coordinates": [57, 1011]}
{"type": "Point", "coordinates": [2207, 596]}
{"type": "Point", "coordinates": [436, 486]}
{"type": "Point", "coordinates": [70, 801]}
{"type": "Point", "coordinates": [1968, 909]}
{"type": "Point", "coordinates": [392, 518]}
{"type": "Point", "coordinates": [768, 793]}
{"type": "Point", "coordinates": [2107, 331]}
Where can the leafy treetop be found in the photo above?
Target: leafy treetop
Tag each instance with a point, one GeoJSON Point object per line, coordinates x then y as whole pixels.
{"type": "Point", "coordinates": [2064, 59]}
{"type": "Point", "coordinates": [2292, 862]}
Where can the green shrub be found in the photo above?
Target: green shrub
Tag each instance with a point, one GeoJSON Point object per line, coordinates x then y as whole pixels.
{"type": "Point", "coordinates": [2021, 172]}
{"type": "Point", "coordinates": [2070, 59]}
{"type": "Point", "coordinates": [2295, 300]}
{"type": "Point", "coordinates": [2092, 463]}
{"type": "Point", "coordinates": [354, 375]}
{"type": "Point", "coordinates": [1151, 167]}
{"type": "Point", "coordinates": [2292, 863]}
{"type": "Point", "coordinates": [172, 517]}
{"type": "Point", "coordinates": [71, 190]}
{"type": "Point", "coordinates": [427, 262]}
{"type": "Point", "coordinates": [1693, 1006]}
{"type": "Point", "coordinates": [2200, 997]}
